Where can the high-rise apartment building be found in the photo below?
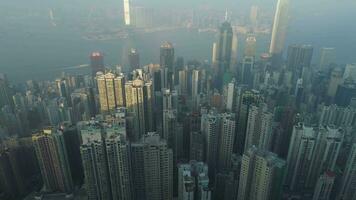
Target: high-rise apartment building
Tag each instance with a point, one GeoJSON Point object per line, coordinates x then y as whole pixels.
{"type": "Point", "coordinates": [53, 160]}
{"type": "Point", "coordinates": [111, 91]}
{"type": "Point", "coordinates": [259, 128]}
{"type": "Point", "coordinates": [312, 151]}
{"type": "Point", "coordinates": [226, 140]}
{"type": "Point", "coordinates": [152, 168]}
{"type": "Point", "coordinates": [106, 157]}
{"type": "Point", "coordinates": [324, 186]}
{"type": "Point", "coordinates": [261, 176]}
{"type": "Point", "coordinates": [347, 189]}
{"type": "Point", "coordinates": [193, 181]}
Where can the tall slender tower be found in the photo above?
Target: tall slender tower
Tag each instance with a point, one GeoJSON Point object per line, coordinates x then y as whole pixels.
{"type": "Point", "coordinates": [127, 12]}
{"type": "Point", "coordinates": [223, 53]}
{"type": "Point", "coordinates": [167, 65]}
{"type": "Point", "coordinates": [53, 160]}
{"type": "Point", "coordinates": [280, 25]}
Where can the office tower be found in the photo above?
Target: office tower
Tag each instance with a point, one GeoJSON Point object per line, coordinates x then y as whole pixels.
{"type": "Point", "coordinates": [53, 160]}
{"type": "Point", "coordinates": [261, 175]}
{"type": "Point", "coordinates": [327, 57]}
{"type": "Point", "coordinates": [350, 72]}
{"type": "Point", "coordinates": [5, 94]}
{"type": "Point", "coordinates": [223, 53]}
{"type": "Point", "coordinates": [167, 65]}
{"type": "Point", "coordinates": [92, 149]}
{"type": "Point", "coordinates": [337, 116]}
{"type": "Point", "coordinates": [196, 146]}
{"type": "Point", "coordinates": [348, 184]}
{"type": "Point", "coordinates": [152, 168]}
{"type": "Point", "coordinates": [344, 93]}
{"type": "Point", "coordinates": [279, 30]}
{"type": "Point", "coordinates": [336, 79]}
{"type": "Point", "coordinates": [229, 96]}
{"type": "Point", "coordinates": [214, 54]}
{"type": "Point", "coordinates": [134, 59]}
{"type": "Point", "coordinates": [127, 11]}
{"type": "Point", "coordinates": [254, 15]}
{"type": "Point", "coordinates": [299, 58]}
{"type": "Point", "coordinates": [259, 128]}
{"type": "Point", "coordinates": [250, 46]}
{"type": "Point", "coordinates": [324, 186]}
{"type": "Point", "coordinates": [312, 151]}
{"type": "Point", "coordinates": [226, 140]}
{"type": "Point", "coordinates": [193, 181]}
{"type": "Point", "coordinates": [142, 17]}
{"type": "Point", "coordinates": [245, 100]}
{"type": "Point", "coordinates": [246, 72]}
{"type": "Point", "coordinates": [111, 91]}
{"type": "Point", "coordinates": [97, 63]}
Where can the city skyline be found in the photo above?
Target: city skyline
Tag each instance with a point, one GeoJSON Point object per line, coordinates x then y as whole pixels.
{"type": "Point", "coordinates": [254, 114]}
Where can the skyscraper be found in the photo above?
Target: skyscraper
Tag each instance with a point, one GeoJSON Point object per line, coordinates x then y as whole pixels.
{"type": "Point", "coordinates": [127, 12]}
{"type": "Point", "coordinates": [324, 186]}
{"type": "Point", "coordinates": [312, 151]}
{"type": "Point", "coordinates": [261, 176]}
{"type": "Point", "coordinates": [152, 168]}
{"type": "Point", "coordinates": [246, 72]}
{"type": "Point", "coordinates": [134, 59]}
{"type": "Point", "coordinates": [280, 25]}
{"type": "Point", "coordinates": [250, 46]}
{"type": "Point", "coordinates": [106, 157]}
{"type": "Point", "coordinates": [53, 160]}
{"type": "Point", "coordinates": [259, 128]}
{"type": "Point", "coordinates": [299, 58]}
{"type": "Point", "coordinates": [193, 181]}
{"type": "Point", "coordinates": [348, 184]}
{"type": "Point", "coordinates": [223, 53]}
{"type": "Point", "coordinates": [327, 57]}
{"type": "Point", "coordinates": [167, 65]}
{"type": "Point", "coordinates": [5, 95]}
{"type": "Point", "coordinates": [139, 102]}
{"type": "Point", "coordinates": [111, 91]}
{"type": "Point", "coordinates": [97, 63]}
{"type": "Point", "coordinates": [226, 141]}
{"type": "Point", "coordinates": [210, 127]}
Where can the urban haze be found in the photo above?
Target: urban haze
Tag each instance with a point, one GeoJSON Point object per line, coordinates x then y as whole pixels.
{"type": "Point", "coordinates": [178, 100]}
